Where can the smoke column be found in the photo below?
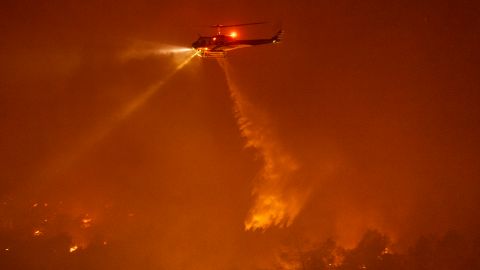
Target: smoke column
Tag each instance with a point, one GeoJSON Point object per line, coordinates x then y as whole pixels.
{"type": "Point", "coordinates": [276, 203]}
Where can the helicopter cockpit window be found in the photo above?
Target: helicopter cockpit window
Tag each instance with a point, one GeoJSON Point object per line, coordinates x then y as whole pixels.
{"type": "Point", "coordinates": [202, 42]}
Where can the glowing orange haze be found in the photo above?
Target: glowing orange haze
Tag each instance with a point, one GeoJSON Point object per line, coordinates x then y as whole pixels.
{"type": "Point", "coordinates": [364, 117]}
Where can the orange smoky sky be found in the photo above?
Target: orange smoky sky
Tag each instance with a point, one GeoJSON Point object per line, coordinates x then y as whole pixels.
{"type": "Point", "coordinates": [366, 116]}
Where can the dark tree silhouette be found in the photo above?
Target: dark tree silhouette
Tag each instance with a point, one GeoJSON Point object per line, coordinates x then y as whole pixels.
{"type": "Point", "coordinates": [366, 255]}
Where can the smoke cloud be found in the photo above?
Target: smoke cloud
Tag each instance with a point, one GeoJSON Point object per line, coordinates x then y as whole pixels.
{"type": "Point", "coordinates": [275, 202]}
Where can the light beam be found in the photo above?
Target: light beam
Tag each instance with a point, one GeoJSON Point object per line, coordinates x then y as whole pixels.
{"type": "Point", "coordinates": [101, 131]}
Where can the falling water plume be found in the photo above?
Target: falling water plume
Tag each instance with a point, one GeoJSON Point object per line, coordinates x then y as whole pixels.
{"type": "Point", "coordinates": [275, 203]}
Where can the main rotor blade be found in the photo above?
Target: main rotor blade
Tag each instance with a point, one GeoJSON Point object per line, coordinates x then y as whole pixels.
{"type": "Point", "coordinates": [234, 25]}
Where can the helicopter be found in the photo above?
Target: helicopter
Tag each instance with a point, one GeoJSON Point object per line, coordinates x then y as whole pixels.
{"type": "Point", "coordinates": [217, 46]}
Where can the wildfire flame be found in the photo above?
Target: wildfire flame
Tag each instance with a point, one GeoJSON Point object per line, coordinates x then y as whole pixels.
{"type": "Point", "coordinates": [87, 222]}
{"type": "Point", "coordinates": [73, 248]}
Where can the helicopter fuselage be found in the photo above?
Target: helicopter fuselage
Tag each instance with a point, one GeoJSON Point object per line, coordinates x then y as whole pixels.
{"type": "Point", "coordinates": [218, 45]}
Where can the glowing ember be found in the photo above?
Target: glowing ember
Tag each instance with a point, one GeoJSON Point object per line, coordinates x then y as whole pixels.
{"type": "Point", "coordinates": [37, 233]}
{"type": "Point", "coordinates": [38, 204]}
{"type": "Point", "coordinates": [73, 248]}
{"type": "Point", "coordinates": [86, 222]}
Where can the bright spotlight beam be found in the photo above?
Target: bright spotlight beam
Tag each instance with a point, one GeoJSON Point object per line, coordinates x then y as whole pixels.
{"type": "Point", "coordinates": [140, 100]}
{"type": "Point", "coordinates": [141, 50]}
{"type": "Point", "coordinates": [66, 160]}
